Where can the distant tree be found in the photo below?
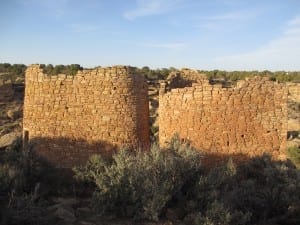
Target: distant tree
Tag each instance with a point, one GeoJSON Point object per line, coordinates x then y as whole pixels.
{"type": "Point", "coordinates": [73, 68]}
{"type": "Point", "coordinates": [172, 68]}
{"type": "Point", "coordinates": [164, 72]}
{"type": "Point", "coordinates": [146, 68]}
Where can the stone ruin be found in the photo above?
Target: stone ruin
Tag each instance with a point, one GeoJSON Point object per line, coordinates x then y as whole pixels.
{"type": "Point", "coordinates": [69, 118]}
{"type": "Point", "coordinates": [243, 121]}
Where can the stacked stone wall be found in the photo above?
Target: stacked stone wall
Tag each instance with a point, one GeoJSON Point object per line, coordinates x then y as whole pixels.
{"type": "Point", "coordinates": [294, 107]}
{"type": "Point", "coordinates": [69, 118]}
{"type": "Point", "coordinates": [294, 91]}
{"type": "Point", "coordinates": [184, 78]}
{"type": "Point", "coordinates": [247, 120]}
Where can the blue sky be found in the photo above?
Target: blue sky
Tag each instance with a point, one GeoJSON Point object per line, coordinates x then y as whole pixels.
{"type": "Point", "coordinates": [210, 34]}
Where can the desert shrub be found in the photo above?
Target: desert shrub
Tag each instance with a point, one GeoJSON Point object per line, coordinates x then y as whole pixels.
{"type": "Point", "coordinates": [266, 188]}
{"type": "Point", "coordinates": [140, 184]}
{"type": "Point", "coordinates": [293, 154]}
{"type": "Point", "coordinates": [217, 214]}
{"type": "Point", "coordinates": [13, 169]}
{"type": "Point", "coordinates": [153, 130]}
{"type": "Point", "coordinates": [21, 171]}
{"type": "Point", "coordinates": [260, 190]}
{"type": "Point", "coordinates": [204, 202]}
{"type": "Point", "coordinates": [25, 182]}
{"type": "Point", "coordinates": [15, 182]}
{"type": "Point", "coordinates": [26, 209]}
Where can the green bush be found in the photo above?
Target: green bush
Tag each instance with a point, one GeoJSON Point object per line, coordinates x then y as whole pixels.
{"type": "Point", "coordinates": [25, 182]}
{"type": "Point", "coordinates": [21, 171]}
{"type": "Point", "coordinates": [27, 209]}
{"type": "Point", "coordinates": [145, 184]}
{"type": "Point", "coordinates": [293, 154]}
{"type": "Point", "coordinates": [64, 69]}
{"type": "Point", "coordinates": [266, 189]}
{"type": "Point", "coordinates": [13, 169]}
{"type": "Point", "coordinates": [218, 214]}
{"type": "Point", "coordinates": [260, 190]}
{"type": "Point", "coordinates": [140, 184]}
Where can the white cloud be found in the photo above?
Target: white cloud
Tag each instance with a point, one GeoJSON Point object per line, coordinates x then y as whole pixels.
{"type": "Point", "coordinates": [150, 7]}
{"type": "Point", "coordinates": [171, 45]}
{"type": "Point", "coordinates": [282, 53]}
{"type": "Point", "coordinates": [294, 22]}
{"type": "Point", "coordinates": [228, 20]}
{"type": "Point", "coordinates": [237, 15]}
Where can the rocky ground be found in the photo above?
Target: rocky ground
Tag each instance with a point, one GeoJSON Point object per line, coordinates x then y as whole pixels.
{"type": "Point", "coordinates": [11, 112]}
{"type": "Point", "coordinates": [78, 212]}
{"type": "Point", "coordinates": [293, 121]}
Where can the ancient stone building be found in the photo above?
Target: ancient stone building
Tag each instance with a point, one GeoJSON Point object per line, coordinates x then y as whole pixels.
{"type": "Point", "coordinates": [183, 78]}
{"type": "Point", "coordinates": [293, 107]}
{"type": "Point", "coordinates": [246, 120]}
{"type": "Point", "coordinates": [69, 118]}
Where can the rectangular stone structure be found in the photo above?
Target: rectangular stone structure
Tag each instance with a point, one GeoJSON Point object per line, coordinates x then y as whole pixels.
{"type": "Point", "coordinates": [246, 120]}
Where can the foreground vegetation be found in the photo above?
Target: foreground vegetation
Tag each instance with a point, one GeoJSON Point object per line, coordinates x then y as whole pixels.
{"type": "Point", "coordinates": [293, 154]}
{"type": "Point", "coordinates": [26, 184]}
{"type": "Point", "coordinates": [152, 184]}
{"type": "Point", "coordinates": [165, 183]}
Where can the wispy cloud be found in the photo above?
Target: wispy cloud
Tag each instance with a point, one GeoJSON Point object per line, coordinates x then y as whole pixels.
{"type": "Point", "coordinates": [227, 19]}
{"type": "Point", "coordinates": [236, 15]}
{"type": "Point", "coordinates": [150, 7]}
{"type": "Point", "coordinates": [170, 45]}
{"type": "Point", "coordinates": [282, 53]}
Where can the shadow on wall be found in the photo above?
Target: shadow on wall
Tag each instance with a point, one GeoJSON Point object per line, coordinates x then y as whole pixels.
{"type": "Point", "coordinates": [67, 153]}
{"type": "Point", "coordinates": [215, 157]}
{"type": "Point", "coordinates": [211, 160]}
{"type": "Point", "coordinates": [179, 82]}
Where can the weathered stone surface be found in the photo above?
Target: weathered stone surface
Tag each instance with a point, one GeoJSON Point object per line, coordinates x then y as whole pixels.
{"type": "Point", "coordinates": [66, 215]}
{"type": "Point", "coordinates": [66, 201]}
{"type": "Point", "coordinates": [83, 211]}
{"type": "Point", "coordinates": [248, 119]}
{"type": "Point", "coordinates": [8, 139]}
{"type": "Point", "coordinates": [294, 91]}
{"type": "Point", "coordinates": [69, 118]}
{"type": "Point", "coordinates": [14, 114]}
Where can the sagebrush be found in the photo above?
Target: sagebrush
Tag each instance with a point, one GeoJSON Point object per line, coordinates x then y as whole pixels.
{"type": "Point", "coordinates": [148, 184]}
{"type": "Point", "coordinates": [140, 184]}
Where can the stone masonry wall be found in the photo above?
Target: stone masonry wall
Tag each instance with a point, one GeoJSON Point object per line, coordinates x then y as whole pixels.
{"type": "Point", "coordinates": [293, 107]}
{"type": "Point", "coordinates": [246, 120]}
{"type": "Point", "coordinates": [184, 78]}
{"type": "Point", "coordinates": [69, 118]}
{"type": "Point", "coordinates": [294, 91]}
